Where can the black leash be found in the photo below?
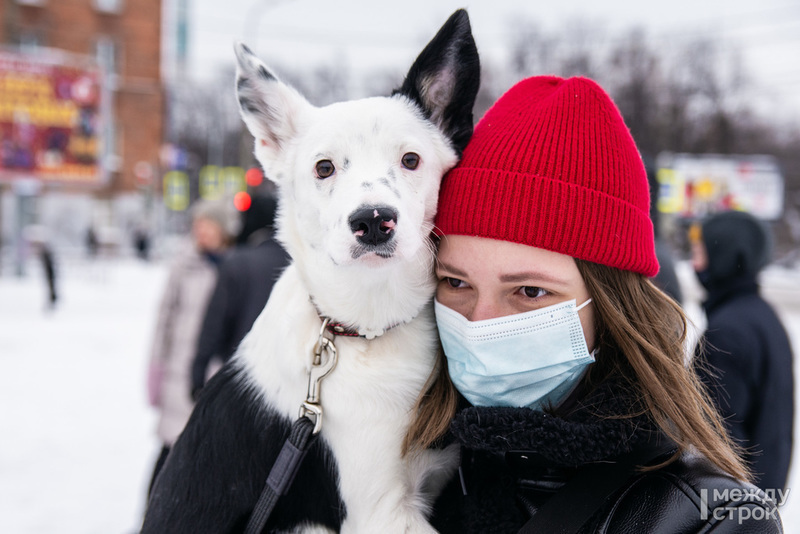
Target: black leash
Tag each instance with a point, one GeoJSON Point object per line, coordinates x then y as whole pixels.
{"type": "Point", "coordinates": [301, 438]}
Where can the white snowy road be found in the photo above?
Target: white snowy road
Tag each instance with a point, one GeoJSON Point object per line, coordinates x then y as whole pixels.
{"type": "Point", "coordinates": [76, 434]}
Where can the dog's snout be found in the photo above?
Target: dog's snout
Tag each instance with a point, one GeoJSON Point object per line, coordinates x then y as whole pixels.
{"type": "Point", "coordinates": [373, 226]}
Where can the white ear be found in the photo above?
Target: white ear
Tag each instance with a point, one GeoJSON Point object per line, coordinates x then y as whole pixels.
{"type": "Point", "coordinates": [269, 107]}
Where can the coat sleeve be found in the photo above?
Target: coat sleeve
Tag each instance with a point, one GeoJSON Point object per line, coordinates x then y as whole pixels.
{"type": "Point", "coordinates": [214, 330]}
{"type": "Point", "coordinates": [168, 305]}
{"type": "Point", "coordinates": [690, 495]}
{"type": "Point", "coordinates": [214, 474]}
{"type": "Point", "coordinates": [161, 345]}
{"type": "Point", "coordinates": [729, 368]}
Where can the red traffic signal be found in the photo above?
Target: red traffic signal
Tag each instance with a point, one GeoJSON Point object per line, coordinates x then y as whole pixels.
{"type": "Point", "coordinates": [254, 177]}
{"type": "Point", "coordinates": [242, 201]}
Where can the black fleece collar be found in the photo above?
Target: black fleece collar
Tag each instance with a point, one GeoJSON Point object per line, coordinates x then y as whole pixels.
{"type": "Point", "coordinates": [596, 430]}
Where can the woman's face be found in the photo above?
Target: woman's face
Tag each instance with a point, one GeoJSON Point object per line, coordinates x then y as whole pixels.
{"type": "Point", "coordinates": [208, 235]}
{"type": "Point", "coordinates": [484, 278]}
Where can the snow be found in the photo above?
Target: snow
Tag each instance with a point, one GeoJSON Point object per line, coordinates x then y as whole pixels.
{"type": "Point", "coordinates": [77, 438]}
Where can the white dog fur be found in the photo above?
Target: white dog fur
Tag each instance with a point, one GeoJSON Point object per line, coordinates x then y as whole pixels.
{"type": "Point", "coordinates": [382, 288]}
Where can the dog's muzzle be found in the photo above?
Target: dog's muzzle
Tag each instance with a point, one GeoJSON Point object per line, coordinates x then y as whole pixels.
{"type": "Point", "coordinates": [373, 226]}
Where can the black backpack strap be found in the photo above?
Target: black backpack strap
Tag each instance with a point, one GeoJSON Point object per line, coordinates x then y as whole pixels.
{"type": "Point", "coordinates": [301, 437]}
{"type": "Point", "coordinates": [583, 494]}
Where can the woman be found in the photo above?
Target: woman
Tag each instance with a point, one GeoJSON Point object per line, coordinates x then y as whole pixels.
{"type": "Point", "coordinates": [183, 304]}
{"type": "Point", "coordinates": [577, 411]}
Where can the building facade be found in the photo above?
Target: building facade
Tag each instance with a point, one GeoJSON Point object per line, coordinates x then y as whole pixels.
{"type": "Point", "coordinates": [123, 38]}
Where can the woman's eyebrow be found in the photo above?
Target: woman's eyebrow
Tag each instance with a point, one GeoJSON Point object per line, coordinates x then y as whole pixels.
{"type": "Point", "coordinates": [532, 275]}
{"type": "Point", "coordinates": [440, 265]}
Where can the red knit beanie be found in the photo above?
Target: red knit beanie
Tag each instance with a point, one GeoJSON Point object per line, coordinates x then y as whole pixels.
{"type": "Point", "coordinates": [552, 165]}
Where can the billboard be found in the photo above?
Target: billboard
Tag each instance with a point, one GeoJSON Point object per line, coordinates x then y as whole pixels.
{"type": "Point", "coordinates": [50, 118]}
{"type": "Point", "coordinates": [694, 185]}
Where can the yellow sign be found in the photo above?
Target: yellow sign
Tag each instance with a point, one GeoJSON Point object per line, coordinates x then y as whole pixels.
{"type": "Point", "coordinates": [670, 191]}
{"type": "Point", "coordinates": [217, 181]}
{"type": "Point", "coordinates": [176, 190]}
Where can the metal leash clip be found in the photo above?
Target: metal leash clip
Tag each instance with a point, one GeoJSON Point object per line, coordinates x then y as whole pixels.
{"type": "Point", "coordinates": [320, 368]}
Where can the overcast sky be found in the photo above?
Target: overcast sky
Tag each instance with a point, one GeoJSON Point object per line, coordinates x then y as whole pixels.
{"type": "Point", "coordinates": [366, 33]}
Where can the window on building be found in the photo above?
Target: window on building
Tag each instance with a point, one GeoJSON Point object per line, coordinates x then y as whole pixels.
{"type": "Point", "coordinates": [106, 52]}
{"type": "Point", "coordinates": [29, 40]}
{"type": "Point", "coordinates": [109, 6]}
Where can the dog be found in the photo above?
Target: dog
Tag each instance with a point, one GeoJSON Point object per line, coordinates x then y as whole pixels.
{"type": "Point", "coordinates": [357, 189]}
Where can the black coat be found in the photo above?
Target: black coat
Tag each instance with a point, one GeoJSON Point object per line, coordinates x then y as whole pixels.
{"type": "Point", "coordinates": [215, 473]}
{"type": "Point", "coordinates": [747, 362]}
{"type": "Point", "coordinates": [515, 459]}
{"type": "Point", "coordinates": [244, 284]}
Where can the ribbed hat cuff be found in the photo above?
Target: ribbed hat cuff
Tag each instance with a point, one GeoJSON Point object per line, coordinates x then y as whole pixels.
{"type": "Point", "coordinates": [550, 214]}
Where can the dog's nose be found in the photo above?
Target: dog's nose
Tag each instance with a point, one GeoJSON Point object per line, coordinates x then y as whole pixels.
{"type": "Point", "coordinates": [373, 226]}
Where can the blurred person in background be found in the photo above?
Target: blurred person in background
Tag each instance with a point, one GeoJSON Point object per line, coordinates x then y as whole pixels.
{"type": "Point", "coordinates": [40, 243]}
{"type": "Point", "coordinates": [92, 243]}
{"type": "Point", "coordinates": [245, 282]}
{"type": "Point", "coordinates": [49, 265]}
{"type": "Point", "coordinates": [666, 279]}
{"type": "Point", "coordinates": [745, 355]}
{"type": "Point", "coordinates": [141, 242]}
{"type": "Point", "coordinates": [191, 280]}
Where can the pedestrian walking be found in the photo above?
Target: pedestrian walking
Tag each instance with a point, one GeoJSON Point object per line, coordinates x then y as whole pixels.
{"type": "Point", "coordinates": [189, 285]}
{"type": "Point", "coordinates": [242, 289]}
{"type": "Point", "coordinates": [745, 352]}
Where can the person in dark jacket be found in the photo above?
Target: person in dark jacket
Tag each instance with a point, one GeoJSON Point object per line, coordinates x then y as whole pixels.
{"type": "Point", "coordinates": [243, 287]}
{"type": "Point", "coordinates": [745, 350]}
{"type": "Point", "coordinates": [563, 379]}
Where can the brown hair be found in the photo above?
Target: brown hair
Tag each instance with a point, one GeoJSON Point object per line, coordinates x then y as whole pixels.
{"type": "Point", "coordinates": [641, 335]}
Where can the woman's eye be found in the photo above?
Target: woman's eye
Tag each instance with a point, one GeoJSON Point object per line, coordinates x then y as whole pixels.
{"type": "Point", "coordinates": [325, 168]}
{"type": "Point", "coordinates": [410, 160]}
{"type": "Point", "coordinates": [533, 292]}
{"type": "Point", "coordinates": [454, 282]}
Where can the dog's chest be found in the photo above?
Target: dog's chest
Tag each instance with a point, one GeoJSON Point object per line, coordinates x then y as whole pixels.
{"type": "Point", "coordinates": [279, 350]}
{"type": "Point", "coordinates": [367, 400]}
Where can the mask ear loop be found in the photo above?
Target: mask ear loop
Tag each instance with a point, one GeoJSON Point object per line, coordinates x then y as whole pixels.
{"type": "Point", "coordinates": [579, 308]}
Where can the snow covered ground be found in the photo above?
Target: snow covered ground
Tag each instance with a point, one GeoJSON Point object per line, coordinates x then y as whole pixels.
{"type": "Point", "coordinates": [77, 439]}
{"type": "Point", "coordinates": [76, 434]}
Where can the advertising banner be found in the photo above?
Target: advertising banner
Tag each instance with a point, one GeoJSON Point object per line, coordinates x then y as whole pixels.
{"type": "Point", "coordinates": [692, 186]}
{"type": "Point", "coordinates": [50, 119]}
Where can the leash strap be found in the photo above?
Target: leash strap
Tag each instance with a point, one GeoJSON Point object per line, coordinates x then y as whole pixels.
{"type": "Point", "coordinates": [301, 437]}
{"type": "Point", "coordinates": [581, 496]}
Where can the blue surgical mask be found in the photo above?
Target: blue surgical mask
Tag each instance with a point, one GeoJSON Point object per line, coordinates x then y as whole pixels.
{"type": "Point", "coordinates": [532, 359]}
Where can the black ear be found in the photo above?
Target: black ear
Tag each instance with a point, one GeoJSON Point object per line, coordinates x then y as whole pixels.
{"type": "Point", "coordinates": [444, 79]}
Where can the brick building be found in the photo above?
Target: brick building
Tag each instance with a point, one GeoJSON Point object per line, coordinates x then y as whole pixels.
{"type": "Point", "coordinates": [125, 38]}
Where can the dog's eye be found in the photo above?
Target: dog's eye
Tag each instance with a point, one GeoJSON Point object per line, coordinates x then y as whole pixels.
{"type": "Point", "coordinates": [325, 168]}
{"type": "Point", "coordinates": [410, 160]}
